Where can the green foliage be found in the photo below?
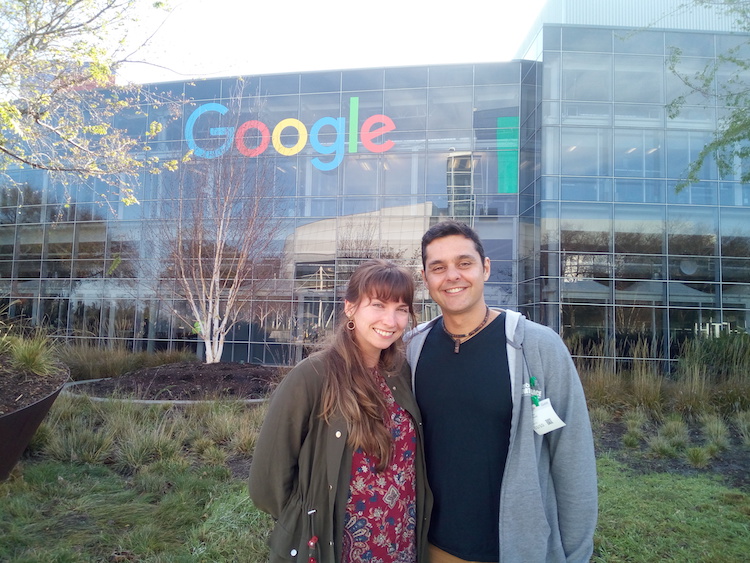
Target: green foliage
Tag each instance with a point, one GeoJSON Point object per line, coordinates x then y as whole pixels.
{"type": "Point", "coordinates": [691, 395]}
{"type": "Point", "coordinates": [144, 482]}
{"type": "Point", "coordinates": [726, 358]}
{"type": "Point", "coordinates": [723, 80]}
{"type": "Point", "coordinates": [675, 432]}
{"type": "Point", "coordinates": [58, 97]}
{"type": "Point", "coordinates": [631, 440]}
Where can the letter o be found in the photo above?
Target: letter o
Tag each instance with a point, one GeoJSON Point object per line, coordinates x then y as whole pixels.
{"type": "Point", "coordinates": [301, 131]}
{"type": "Point", "coordinates": [239, 137]}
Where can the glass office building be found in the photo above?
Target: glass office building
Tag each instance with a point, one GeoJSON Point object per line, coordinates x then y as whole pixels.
{"type": "Point", "coordinates": [564, 160]}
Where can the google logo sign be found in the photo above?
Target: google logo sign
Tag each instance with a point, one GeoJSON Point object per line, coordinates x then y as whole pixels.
{"type": "Point", "coordinates": [373, 127]}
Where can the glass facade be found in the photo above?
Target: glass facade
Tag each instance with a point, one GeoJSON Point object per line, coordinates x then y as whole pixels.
{"type": "Point", "coordinates": [611, 250]}
{"type": "Point", "coordinates": [361, 162]}
{"type": "Point", "coordinates": [566, 165]}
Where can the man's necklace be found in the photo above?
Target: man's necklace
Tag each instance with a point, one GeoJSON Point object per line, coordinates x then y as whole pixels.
{"type": "Point", "coordinates": [457, 337]}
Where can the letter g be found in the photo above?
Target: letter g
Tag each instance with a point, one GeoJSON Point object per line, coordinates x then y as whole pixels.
{"type": "Point", "coordinates": [190, 138]}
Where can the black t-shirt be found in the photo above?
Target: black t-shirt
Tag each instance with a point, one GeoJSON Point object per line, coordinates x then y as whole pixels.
{"type": "Point", "coordinates": [466, 407]}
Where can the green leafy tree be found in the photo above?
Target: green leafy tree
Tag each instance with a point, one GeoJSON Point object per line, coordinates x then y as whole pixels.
{"type": "Point", "coordinates": [58, 99]}
{"type": "Point", "coordinates": [725, 80]}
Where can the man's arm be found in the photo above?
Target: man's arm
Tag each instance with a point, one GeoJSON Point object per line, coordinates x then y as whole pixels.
{"type": "Point", "coordinates": [572, 458]}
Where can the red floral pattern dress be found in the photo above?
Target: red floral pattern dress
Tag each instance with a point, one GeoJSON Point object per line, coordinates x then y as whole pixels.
{"type": "Point", "coordinates": [381, 514]}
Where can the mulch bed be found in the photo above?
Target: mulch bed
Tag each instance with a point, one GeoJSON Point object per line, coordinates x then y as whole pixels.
{"type": "Point", "coordinates": [732, 465]}
{"type": "Point", "coordinates": [20, 389]}
{"type": "Point", "coordinates": [187, 381]}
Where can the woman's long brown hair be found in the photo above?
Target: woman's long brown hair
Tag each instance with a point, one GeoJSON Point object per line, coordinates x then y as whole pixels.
{"type": "Point", "coordinates": [350, 386]}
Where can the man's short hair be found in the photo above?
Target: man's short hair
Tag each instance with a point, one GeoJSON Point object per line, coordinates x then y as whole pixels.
{"type": "Point", "coordinates": [447, 228]}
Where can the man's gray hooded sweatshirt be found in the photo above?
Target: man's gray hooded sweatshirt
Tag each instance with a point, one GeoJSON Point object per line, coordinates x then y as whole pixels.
{"type": "Point", "coordinates": [548, 497]}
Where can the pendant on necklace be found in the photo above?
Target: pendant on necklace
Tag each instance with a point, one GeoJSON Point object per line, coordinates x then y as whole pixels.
{"type": "Point", "coordinates": [457, 337]}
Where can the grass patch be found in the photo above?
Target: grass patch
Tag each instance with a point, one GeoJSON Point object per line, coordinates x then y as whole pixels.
{"type": "Point", "coordinates": [118, 481]}
{"type": "Point", "coordinates": [659, 517]}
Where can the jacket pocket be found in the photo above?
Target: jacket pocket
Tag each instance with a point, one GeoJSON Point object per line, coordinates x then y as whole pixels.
{"type": "Point", "coordinates": [288, 540]}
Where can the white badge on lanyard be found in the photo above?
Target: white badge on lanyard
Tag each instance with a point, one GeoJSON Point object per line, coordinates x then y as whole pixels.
{"type": "Point", "coordinates": [545, 418]}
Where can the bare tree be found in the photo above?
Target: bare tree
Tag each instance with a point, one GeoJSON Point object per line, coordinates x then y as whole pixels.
{"type": "Point", "coordinates": [216, 243]}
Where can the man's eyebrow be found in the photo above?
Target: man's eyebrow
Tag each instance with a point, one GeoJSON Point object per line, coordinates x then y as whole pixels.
{"type": "Point", "coordinates": [457, 259]}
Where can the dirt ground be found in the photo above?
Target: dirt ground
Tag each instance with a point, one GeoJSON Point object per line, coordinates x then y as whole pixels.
{"type": "Point", "coordinates": [18, 390]}
{"type": "Point", "coordinates": [731, 466]}
{"type": "Point", "coordinates": [188, 381]}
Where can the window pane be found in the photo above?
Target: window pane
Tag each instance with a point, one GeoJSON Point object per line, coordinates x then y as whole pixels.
{"type": "Point", "coordinates": [691, 230]}
{"type": "Point", "coordinates": [639, 153]}
{"type": "Point", "coordinates": [639, 79]}
{"type": "Point", "coordinates": [586, 152]}
{"type": "Point", "coordinates": [450, 108]}
{"type": "Point", "coordinates": [639, 229]}
{"type": "Point", "coordinates": [582, 39]}
{"type": "Point", "coordinates": [587, 77]}
{"type": "Point", "coordinates": [407, 108]}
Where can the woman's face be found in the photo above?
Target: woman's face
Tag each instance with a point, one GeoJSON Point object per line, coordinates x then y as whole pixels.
{"type": "Point", "coordinates": [378, 324]}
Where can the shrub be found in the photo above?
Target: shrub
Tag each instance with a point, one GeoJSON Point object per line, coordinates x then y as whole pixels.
{"type": "Point", "coordinates": [742, 421]}
{"type": "Point", "coordinates": [726, 358]}
{"type": "Point", "coordinates": [91, 362]}
{"type": "Point", "coordinates": [698, 457]}
{"type": "Point", "coordinates": [675, 431]}
{"type": "Point", "coordinates": [631, 440]}
{"type": "Point", "coordinates": [635, 420]}
{"type": "Point", "coordinates": [35, 354]}
{"type": "Point", "coordinates": [715, 431]}
{"type": "Point", "coordinates": [661, 446]}
{"type": "Point", "coordinates": [646, 381]}
{"type": "Point", "coordinates": [690, 390]}
{"type": "Point", "coordinates": [600, 416]}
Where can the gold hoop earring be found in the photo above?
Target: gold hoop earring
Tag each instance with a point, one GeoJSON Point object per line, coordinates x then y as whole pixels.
{"type": "Point", "coordinates": [350, 325]}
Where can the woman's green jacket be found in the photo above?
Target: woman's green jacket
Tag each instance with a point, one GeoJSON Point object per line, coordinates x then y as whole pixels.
{"type": "Point", "coordinates": [302, 466]}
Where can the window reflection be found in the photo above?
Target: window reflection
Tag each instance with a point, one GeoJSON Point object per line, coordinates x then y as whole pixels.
{"type": "Point", "coordinates": [639, 229]}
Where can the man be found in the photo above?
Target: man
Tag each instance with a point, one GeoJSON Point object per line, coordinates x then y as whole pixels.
{"type": "Point", "coordinates": [510, 455]}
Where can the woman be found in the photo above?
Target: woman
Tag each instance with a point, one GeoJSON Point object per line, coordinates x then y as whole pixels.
{"type": "Point", "coordinates": [339, 461]}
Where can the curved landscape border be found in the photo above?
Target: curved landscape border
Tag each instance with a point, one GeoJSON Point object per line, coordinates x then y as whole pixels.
{"type": "Point", "coordinates": [66, 392]}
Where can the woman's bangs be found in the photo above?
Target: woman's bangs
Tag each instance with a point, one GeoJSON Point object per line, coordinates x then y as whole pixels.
{"type": "Point", "coordinates": [392, 286]}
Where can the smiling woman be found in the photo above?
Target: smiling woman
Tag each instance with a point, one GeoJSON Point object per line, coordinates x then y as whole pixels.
{"type": "Point", "coordinates": [345, 420]}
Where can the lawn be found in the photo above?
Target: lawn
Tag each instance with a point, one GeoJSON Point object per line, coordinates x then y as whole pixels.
{"type": "Point", "coordinates": [124, 482]}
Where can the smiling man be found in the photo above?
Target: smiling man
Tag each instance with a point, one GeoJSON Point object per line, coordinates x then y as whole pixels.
{"type": "Point", "coordinates": [510, 455]}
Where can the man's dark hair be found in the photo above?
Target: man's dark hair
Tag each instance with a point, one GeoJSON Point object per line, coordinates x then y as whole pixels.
{"type": "Point", "coordinates": [446, 229]}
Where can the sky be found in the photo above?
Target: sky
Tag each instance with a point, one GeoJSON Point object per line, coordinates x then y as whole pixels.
{"type": "Point", "coordinates": [214, 38]}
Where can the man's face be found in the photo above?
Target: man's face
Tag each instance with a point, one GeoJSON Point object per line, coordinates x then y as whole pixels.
{"type": "Point", "coordinates": [455, 275]}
